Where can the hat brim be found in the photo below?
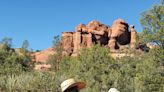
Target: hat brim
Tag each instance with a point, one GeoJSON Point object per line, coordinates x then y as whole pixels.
{"type": "Point", "coordinates": [79, 85]}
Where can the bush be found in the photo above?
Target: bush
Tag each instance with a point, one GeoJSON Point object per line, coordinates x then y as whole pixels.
{"type": "Point", "coordinates": [128, 74]}
{"type": "Point", "coordinates": [96, 68]}
{"type": "Point", "coordinates": [11, 62]}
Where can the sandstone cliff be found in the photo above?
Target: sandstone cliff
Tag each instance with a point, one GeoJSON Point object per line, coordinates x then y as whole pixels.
{"type": "Point", "coordinates": [115, 37]}
{"type": "Point", "coordinates": [42, 56]}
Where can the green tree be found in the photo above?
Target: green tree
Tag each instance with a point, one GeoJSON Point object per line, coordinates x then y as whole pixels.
{"type": "Point", "coordinates": [55, 59]}
{"type": "Point", "coordinates": [25, 45]}
{"type": "Point", "coordinates": [140, 73]}
{"type": "Point", "coordinates": [162, 2]}
{"type": "Point", "coordinates": [24, 49]}
{"type": "Point", "coordinates": [11, 62]}
{"type": "Point", "coordinates": [149, 76]}
{"type": "Point", "coordinates": [56, 40]}
{"type": "Point", "coordinates": [6, 43]}
{"type": "Point", "coordinates": [91, 66]}
{"type": "Point", "coordinates": [153, 25]}
{"type": "Point", "coordinates": [26, 53]}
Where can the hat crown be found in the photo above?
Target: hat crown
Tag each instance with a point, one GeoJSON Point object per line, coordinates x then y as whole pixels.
{"type": "Point", "coordinates": [67, 83]}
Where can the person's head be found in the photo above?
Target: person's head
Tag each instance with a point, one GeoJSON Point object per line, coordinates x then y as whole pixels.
{"type": "Point", "coordinates": [70, 85]}
{"type": "Point", "coordinates": [72, 89]}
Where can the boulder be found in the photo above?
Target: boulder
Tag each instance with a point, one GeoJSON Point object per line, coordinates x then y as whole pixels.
{"type": "Point", "coordinates": [81, 28]}
{"type": "Point", "coordinates": [93, 25]}
{"type": "Point", "coordinates": [120, 33]}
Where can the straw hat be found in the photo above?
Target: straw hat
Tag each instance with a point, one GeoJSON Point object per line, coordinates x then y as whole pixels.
{"type": "Point", "coordinates": [113, 90]}
{"type": "Point", "coordinates": [71, 83]}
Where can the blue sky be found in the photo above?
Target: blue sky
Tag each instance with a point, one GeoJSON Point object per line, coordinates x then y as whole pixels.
{"type": "Point", "coordinates": [39, 20]}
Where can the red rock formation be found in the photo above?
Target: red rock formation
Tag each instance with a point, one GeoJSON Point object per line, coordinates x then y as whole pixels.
{"type": "Point", "coordinates": [133, 37]}
{"type": "Point", "coordinates": [115, 37]}
{"type": "Point", "coordinates": [119, 35]}
{"type": "Point", "coordinates": [81, 27]}
{"type": "Point", "coordinates": [67, 43]}
{"type": "Point", "coordinates": [42, 56]}
{"type": "Point", "coordinates": [77, 41]}
{"type": "Point", "coordinates": [89, 41]}
{"type": "Point", "coordinates": [95, 32]}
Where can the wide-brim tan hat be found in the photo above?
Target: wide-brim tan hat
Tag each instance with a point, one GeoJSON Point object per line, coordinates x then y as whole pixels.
{"type": "Point", "coordinates": [71, 83]}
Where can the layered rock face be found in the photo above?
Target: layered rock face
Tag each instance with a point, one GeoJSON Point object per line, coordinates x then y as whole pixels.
{"type": "Point", "coordinates": [42, 56]}
{"type": "Point", "coordinates": [67, 42]}
{"type": "Point", "coordinates": [114, 37]}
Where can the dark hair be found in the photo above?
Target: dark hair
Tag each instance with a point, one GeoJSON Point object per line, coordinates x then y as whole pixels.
{"type": "Point", "coordinates": [72, 89]}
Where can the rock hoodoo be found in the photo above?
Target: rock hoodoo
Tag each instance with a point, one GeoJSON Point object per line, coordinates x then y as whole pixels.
{"type": "Point", "coordinates": [133, 36]}
{"type": "Point", "coordinates": [115, 37]}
